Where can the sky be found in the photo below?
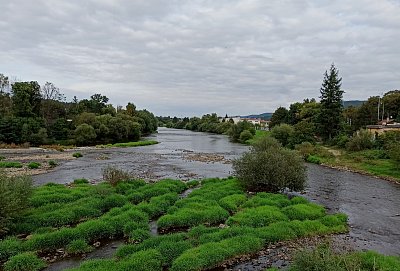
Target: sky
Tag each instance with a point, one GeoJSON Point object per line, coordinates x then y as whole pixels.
{"type": "Point", "coordinates": [191, 57]}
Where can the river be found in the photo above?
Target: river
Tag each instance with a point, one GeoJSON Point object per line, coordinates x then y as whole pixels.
{"type": "Point", "coordinates": [372, 204]}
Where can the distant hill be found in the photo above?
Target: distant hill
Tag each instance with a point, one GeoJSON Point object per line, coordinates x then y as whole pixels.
{"type": "Point", "coordinates": [354, 103]}
{"type": "Point", "coordinates": [264, 116]}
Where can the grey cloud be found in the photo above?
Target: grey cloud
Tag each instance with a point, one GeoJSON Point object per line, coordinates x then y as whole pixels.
{"type": "Point", "coordinates": [199, 56]}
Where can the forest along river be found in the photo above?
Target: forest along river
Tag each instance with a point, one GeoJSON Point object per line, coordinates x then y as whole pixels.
{"type": "Point", "coordinates": [371, 204]}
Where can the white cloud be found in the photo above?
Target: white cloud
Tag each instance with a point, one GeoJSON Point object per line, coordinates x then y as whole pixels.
{"type": "Point", "coordinates": [199, 56]}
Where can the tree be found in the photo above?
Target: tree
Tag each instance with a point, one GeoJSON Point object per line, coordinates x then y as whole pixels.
{"type": "Point", "coordinates": [51, 92]}
{"type": "Point", "coordinates": [85, 134]}
{"type": "Point", "coordinates": [330, 117]}
{"type": "Point", "coordinates": [270, 167]}
{"type": "Point", "coordinates": [282, 133]}
{"type": "Point", "coordinates": [26, 99]}
{"type": "Point", "coordinates": [279, 116]}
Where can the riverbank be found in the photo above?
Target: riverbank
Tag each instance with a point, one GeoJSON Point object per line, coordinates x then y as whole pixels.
{"type": "Point", "coordinates": [50, 157]}
{"type": "Point", "coordinates": [369, 162]}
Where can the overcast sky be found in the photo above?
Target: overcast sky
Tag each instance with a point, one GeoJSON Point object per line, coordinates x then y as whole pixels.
{"type": "Point", "coordinates": [194, 57]}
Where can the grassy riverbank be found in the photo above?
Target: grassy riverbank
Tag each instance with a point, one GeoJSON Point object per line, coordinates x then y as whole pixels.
{"type": "Point", "coordinates": [216, 222]}
{"type": "Point", "coordinates": [370, 162]}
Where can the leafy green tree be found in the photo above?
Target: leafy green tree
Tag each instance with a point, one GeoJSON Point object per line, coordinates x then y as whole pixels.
{"type": "Point", "coordinates": [26, 99]}
{"type": "Point", "coordinates": [304, 131]}
{"type": "Point", "coordinates": [283, 133]}
{"type": "Point", "coordinates": [85, 134]}
{"type": "Point", "coordinates": [4, 84]}
{"type": "Point", "coordinates": [279, 116]}
{"type": "Point", "coordinates": [330, 117]}
{"type": "Point", "coordinates": [294, 113]}
{"type": "Point", "coordinates": [245, 135]}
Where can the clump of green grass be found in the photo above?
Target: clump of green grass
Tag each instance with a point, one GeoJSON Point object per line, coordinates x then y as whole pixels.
{"type": "Point", "coordinates": [27, 261]}
{"type": "Point", "coordinates": [257, 217]}
{"type": "Point", "coordinates": [2, 158]}
{"type": "Point", "coordinates": [34, 165]}
{"type": "Point", "coordinates": [231, 203]}
{"type": "Point", "coordinates": [304, 211]}
{"type": "Point", "coordinates": [324, 258]}
{"type": "Point", "coordinates": [78, 246]}
{"type": "Point", "coordinates": [10, 164]}
{"type": "Point", "coordinates": [313, 159]}
{"type": "Point", "coordinates": [211, 254]}
{"type": "Point", "coordinates": [80, 181]}
{"type": "Point", "coordinates": [192, 183]}
{"type": "Point", "coordinates": [267, 199]}
{"type": "Point", "coordinates": [77, 155]}
{"type": "Point", "coordinates": [192, 212]}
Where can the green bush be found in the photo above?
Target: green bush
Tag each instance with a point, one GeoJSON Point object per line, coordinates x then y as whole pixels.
{"type": "Point", "coordinates": [269, 167]}
{"type": "Point", "coordinates": [34, 165]}
{"type": "Point", "coordinates": [77, 155]}
{"type": "Point", "coordinates": [361, 140]}
{"type": "Point", "coordinates": [2, 158]}
{"type": "Point", "coordinates": [394, 153]}
{"type": "Point", "coordinates": [14, 198]}
{"type": "Point", "coordinates": [78, 246]}
{"type": "Point", "coordinates": [245, 135]}
{"type": "Point", "coordinates": [85, 134]}
{"type": "Point", "coordinates": [305, 149]}
{"type": "Point", "coordinates": [52, 163]}
{"type": "Point", "coordinates": [6, 164]}
{"type": "Point", "coordinates": [24, 262]}
{"type": "Point", "coordinates": [114, 175]}
{"type": "Point", "coordinates": [282, 133]}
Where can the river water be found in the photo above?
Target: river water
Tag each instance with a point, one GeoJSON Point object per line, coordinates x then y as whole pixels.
{"type": "Point", "coordinates": [372, 204]}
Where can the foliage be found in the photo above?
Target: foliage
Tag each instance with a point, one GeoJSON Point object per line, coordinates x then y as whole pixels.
{"type": "Point", "coordinates": [280, 116]}
{"type": "Point", "coordinates": [361, 140]}
{"type": "Point", "coordinates": [113, 175]}
{"type": "Point", "coordinates": [282, 133]}
{"type": "Point", "coordinates": [78, 246]}
{"type": "Point", "coordinates": [325, 258]}
{"type": "Point", "coordinates": [34, 165]}
{"type": "Point", "coordinates": [269, 167]}
{"type": "Point", "coordinates": [14, 194]}
{"type": "Point", "coordinates": [85, 134]}
{"type": "Point", "coordinates": [77, 155]}
{"type": "Point", "coordinates": [394, 153]}
{"type": "Point", "coordinates": [331, 104]}
{"type": "Point", "coordinates": [24, 262]}
{"type": "Point", "coordinates": [245, 135]}
{"type": "Point", "coordinates": [10, 164]}
{"type": "Point", "coordinates": [52, 163]}
{"type": "Point", "coordinates": [313, 159]}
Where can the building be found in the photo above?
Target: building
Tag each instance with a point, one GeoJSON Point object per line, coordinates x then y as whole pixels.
{"type": "Point", "coordinates": [383, 128]}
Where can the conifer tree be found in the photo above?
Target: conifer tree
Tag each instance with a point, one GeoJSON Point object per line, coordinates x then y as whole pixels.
{"type": "Point", "coordinates": [330, 117]}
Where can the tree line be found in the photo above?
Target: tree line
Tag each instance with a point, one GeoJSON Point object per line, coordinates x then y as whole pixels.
{"type": "Point", "coordinates": [37, 115]}
{"type": "Point", "coordinates": [240, 132]}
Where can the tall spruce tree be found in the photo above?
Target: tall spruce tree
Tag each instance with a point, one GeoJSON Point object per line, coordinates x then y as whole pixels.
{"type": "Point", "coordinates": [330, 117]}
